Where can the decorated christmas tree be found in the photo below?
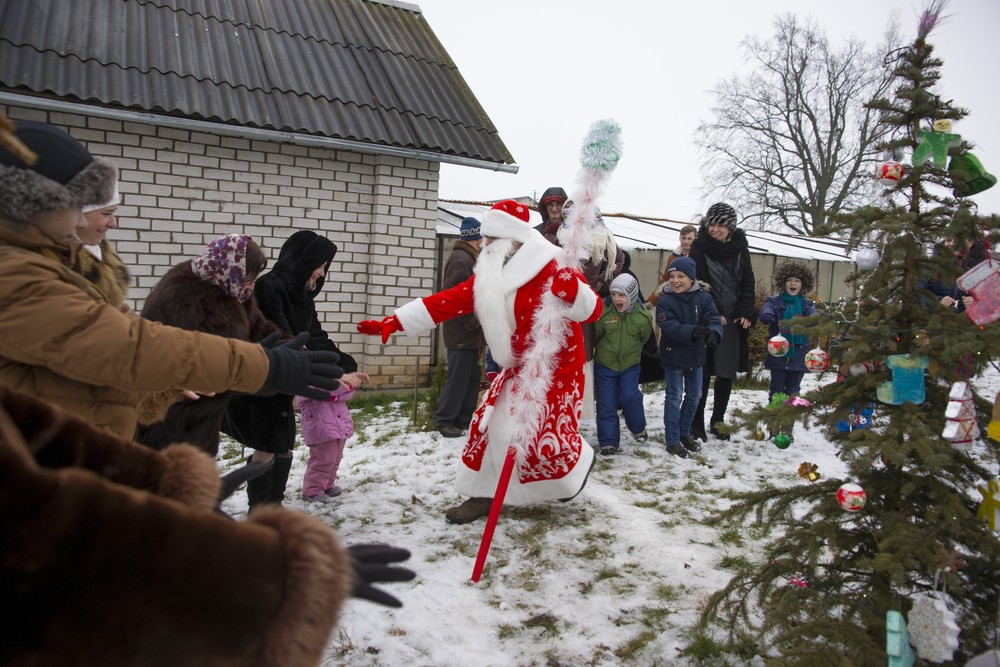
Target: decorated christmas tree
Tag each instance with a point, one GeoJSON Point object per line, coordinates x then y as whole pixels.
{"type": "Point", "coordinates": [902, 550]}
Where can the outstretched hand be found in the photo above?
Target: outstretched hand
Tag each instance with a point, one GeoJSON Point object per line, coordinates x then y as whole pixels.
{"type": "Point", "coordinates": [565, 285]}
{"type": "Point", "coordinates": [373, 564]}
{"type": "Point", "coordinates": [386, 327]}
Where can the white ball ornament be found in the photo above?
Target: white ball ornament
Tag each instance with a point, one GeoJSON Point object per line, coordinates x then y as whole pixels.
{"type": "Point", "coordinates": [851, 497]}
{"type": "Point", "coordinates": [867, 258]}
{"type": "Point", "coordinates": [889, 173]}
{"type": "Point", "coordinates": [817, 360]}
{"type": "Point", "coordinates": [778, 346]}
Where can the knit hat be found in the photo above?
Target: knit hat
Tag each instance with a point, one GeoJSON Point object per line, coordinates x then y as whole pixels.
{"type": "Point", "coordinates": [626, 284]}
{"type": "Point", "coordinates": [65, 175]}
{"type": "Point", "coordinates": [114, 201]}
{"type": "Point", "coordinates": [470, 230]}
{"type": "Point", "coordinates": [720, 214]}
{"type": "Point", "coordinates": [794, 270]}
{"type": "Point", "coordinates": [507, 220]}
{"type": "Point", "coordinates": [685, 265]}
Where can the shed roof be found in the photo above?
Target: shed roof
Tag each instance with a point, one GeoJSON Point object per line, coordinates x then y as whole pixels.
{"type": "Point", "coordinates": [651, 233]}
{"type": "Point", "coordinates": [358, 70]}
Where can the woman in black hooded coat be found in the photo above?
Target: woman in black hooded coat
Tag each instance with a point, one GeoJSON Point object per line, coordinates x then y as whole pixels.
{"type": "Point", "coordinates": [721, 255]}
{"type": "Point", "coordinates": [286, 297]}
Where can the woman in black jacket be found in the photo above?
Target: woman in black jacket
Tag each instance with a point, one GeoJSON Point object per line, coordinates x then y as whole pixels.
{"type": "Point", "coordinates": [285, 295]}
{"type": "Point", "coordinates": [722, 257]}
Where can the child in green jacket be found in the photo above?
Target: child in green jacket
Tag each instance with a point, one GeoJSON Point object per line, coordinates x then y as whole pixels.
{"type": "Point", "coordinates": [619, 336]}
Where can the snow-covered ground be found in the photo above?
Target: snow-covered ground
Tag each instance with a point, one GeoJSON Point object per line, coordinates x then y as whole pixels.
{"type": "Point", "coordinates": [617, 576]}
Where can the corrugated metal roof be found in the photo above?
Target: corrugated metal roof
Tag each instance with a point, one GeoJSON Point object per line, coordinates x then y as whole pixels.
{"type": "Point", "coordinates": [349, 69]}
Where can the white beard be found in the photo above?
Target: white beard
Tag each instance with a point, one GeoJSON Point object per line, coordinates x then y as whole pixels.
{"type": "Point", "coordinates": [495, 316]}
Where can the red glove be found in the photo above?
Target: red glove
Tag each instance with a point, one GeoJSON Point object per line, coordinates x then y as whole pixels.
{"type": "Point", "coordinates": [386, 327]}
{"type": "Point", "coordinates": [565, 285]}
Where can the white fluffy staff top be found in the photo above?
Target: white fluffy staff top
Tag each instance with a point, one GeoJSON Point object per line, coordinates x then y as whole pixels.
{"type": "Point", "coordinates": [602, 149]}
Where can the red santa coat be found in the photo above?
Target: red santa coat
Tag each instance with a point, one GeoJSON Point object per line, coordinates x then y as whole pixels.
{"type": "Point", "coordinates": [556, 461]}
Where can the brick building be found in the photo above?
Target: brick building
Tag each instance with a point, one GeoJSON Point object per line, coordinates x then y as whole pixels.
{"type": "Point", "coordinates": [330, 116]}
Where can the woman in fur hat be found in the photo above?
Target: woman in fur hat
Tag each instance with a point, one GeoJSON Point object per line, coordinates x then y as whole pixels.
{"type": "Point", "coordinates": [61, 340]}
{"type": "Point", "coordinates": [212, 293]}
{"type": "Point", "coordinates": [792, 280]}
{"type": "Point", "coordinates": [100, 264]}
{"type": "Point", "coordinates": [722, 257]}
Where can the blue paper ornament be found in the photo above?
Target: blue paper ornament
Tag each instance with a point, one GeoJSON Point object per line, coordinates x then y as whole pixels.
{"type": "Point", "coordinates": [907, 385]}
{"type": "Point", "coordinates": [897, 641]}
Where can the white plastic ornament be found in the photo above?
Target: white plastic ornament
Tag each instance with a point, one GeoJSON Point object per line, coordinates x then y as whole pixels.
{"type": "Point", "coordinates": [867, 258]}
{"type": "Point", "coordinates": [778, 346]}
{"type": "Point", "coordinates": [933, 631]}
{"type": "Point", "coordinates": [960, 417]}
{"type": "Point", "coordinates": [851, 497]}
{"type": "Point", "coordinates": [988, 659]}
{"type": "Point", "coordinates": [817, 360]}
{"type": "Point", "coordinates": [889, 173]}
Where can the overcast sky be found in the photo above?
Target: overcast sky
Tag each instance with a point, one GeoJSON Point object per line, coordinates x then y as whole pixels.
{"type": "Point", "coordinates": [544, 70]}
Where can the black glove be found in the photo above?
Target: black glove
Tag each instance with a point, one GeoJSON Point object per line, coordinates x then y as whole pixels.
{"type": "Point", "coordinates": [700, 332]}
{"type": "Point", "coordinates": [712, 339]}
{"type": "Point", "coordinates": [232, 480]}
{"type": "Point", "coordinates": [299, 372]}
{"type": "Point", "coordinates": [371, 564]}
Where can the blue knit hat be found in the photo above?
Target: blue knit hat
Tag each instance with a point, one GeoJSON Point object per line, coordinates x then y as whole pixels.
{"type": "Point", "coordinates": [470, 230]}
{"type": "Point", "coordinates": [685, 265]}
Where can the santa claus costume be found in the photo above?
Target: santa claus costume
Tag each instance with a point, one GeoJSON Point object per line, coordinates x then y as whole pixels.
{"type": "Point", "coordinates": [530, 310]}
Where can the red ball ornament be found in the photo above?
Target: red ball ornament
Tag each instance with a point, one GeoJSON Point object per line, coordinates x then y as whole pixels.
{"type": "Point", "coordinates": [817, 360]}
{"type": "Point", "coordinates": [778, 346]}
{"type": "Point", "coordinates": [889, 173]}
{"type": "Point", "coordinates": [851, 497]}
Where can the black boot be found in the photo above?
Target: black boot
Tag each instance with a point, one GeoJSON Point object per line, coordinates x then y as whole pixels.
{"type": "Point", "coordinates": [279, 477]}
{"type": "Point", "coordinates": [259, 488]}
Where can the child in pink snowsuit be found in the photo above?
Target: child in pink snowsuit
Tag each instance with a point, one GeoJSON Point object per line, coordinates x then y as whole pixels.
{"type": "Point", "coordinates": [326, 426]}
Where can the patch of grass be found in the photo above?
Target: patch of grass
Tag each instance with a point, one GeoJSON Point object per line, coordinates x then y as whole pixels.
{"type": "Point", "coordinates": [731, 536]}
{"type": "Point", "coordinates": [737, 562]}
{"type": "Point", "coordinates": [647, 504]}
{"type": "Point", "coordinates": [546, 621]}
{"type": "Point", "coordinates": [667, 593]}
{"type": "Point", "coordinates": [507, 631]}
{"type": "Point", "coordinates": [635, 644]}
{"type": "Point", "coordinates": [607, 573]}
{"type": "Point", "coordinates": [702, 648]}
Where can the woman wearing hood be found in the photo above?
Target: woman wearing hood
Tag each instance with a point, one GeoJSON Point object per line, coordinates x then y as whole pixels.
{"type": "Point", "coordinates": [286, 296]}
{"type": "Point", "coordinates": [722, 259]}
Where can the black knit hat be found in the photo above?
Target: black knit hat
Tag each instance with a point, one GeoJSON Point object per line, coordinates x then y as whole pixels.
{"type": "Point", "coordinates": [720, 214]}
{"type": "Point", "coordinates": [65, 175]}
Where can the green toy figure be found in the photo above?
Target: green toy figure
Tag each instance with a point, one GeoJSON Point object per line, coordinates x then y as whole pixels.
{"type": "Point", "coordinates": [936, 144]}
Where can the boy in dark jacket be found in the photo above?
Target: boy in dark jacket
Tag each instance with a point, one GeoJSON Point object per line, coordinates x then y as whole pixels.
{"type": "Point", "coordinates": [689, 321]}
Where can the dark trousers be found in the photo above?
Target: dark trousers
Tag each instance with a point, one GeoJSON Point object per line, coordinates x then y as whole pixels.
{"type": "Point", "coordinates": [460, 393]}
{"type": "Point", "coordinates": [723, 387]}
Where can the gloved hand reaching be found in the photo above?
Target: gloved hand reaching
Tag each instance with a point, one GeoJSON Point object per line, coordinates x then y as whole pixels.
{"type": "Point", "coordinates": [296, 371]}
{"type": "Point", "coordinates": [712, 339]}
{"type": "Point", "coordinates": [700, 332]}
{"type": "Point", "coordinates": [372, 565]}
{"type": "Point", "coordinates": [386, 326]}
{"type": "Point", "coordinates": [565, 285]}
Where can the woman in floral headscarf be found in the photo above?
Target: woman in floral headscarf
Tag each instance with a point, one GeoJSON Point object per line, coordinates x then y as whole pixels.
{"type": "Point", "coordinates": [212, 293]}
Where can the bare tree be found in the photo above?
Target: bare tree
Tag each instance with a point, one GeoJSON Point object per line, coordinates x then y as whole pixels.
{"type": "Point", "coordinates": [792, 142]}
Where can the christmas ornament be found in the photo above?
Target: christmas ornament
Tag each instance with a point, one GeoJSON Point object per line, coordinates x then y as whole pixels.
{"type": "Point", "coordinates": [989, 509]}
{"type": "Point", "coordinates": [817, 360]}
{"type": "Point", "coordinates": [993, 430]}
{"type": "Point", "coordinates": [859, 419]}
{"type": "Point", "coordinates": [932, 627]}
{"type": "Point", "coordinates": [782, 441]}
{"type": "Point", "coordinates": [968, 176]}
{"type": "Point", "coordinates": [983, 282]}
{"type": "Point", "coordinates": [988, 659]}
{"type": "Point", "coordinates": [808, 471]}
{"type": "Point", "coordinates": [778, 346]}
{"type": "Point", "coordinates": [889, 173]}
{"type": "Point", "coordinates": [851, 497]}
{"type": "Point", "coordinates": [758, 433]}
{"type": "Point", "coordinates": [960, 415]}
{"type": "Point", "coordinates": [935, 144]}
{"type": "Point", "coordinates": [867, 258]}
{"type": "Point", "coordinates": [907, 385]}
{"type": "Point", "coordinates": [897, 641]}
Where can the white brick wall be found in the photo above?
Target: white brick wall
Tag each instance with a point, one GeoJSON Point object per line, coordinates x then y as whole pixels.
{"type": "Point", "coordinates": [181, 189]}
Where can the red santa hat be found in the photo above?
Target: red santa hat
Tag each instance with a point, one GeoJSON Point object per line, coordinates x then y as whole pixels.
{"type": "Point", "coordinates": [507, 220]}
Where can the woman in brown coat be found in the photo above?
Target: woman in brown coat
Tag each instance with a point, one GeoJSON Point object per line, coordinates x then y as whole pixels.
{"type": "Point", "coordinates": [60, 339]}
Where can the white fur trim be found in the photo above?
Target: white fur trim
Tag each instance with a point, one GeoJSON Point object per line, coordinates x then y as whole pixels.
{"type": "Point", "coordinates": [583, 306]}
{"type": "Point", "coordinates": [484, 422]}
{"type": "Point", "coordinates": [535, 253]}
{"type": "Point", "coordinates": [501, 225]}
{"type": "Point", "coordinates": [114, 201]}
{"type": "Point", "coordinates": [415, 318]}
